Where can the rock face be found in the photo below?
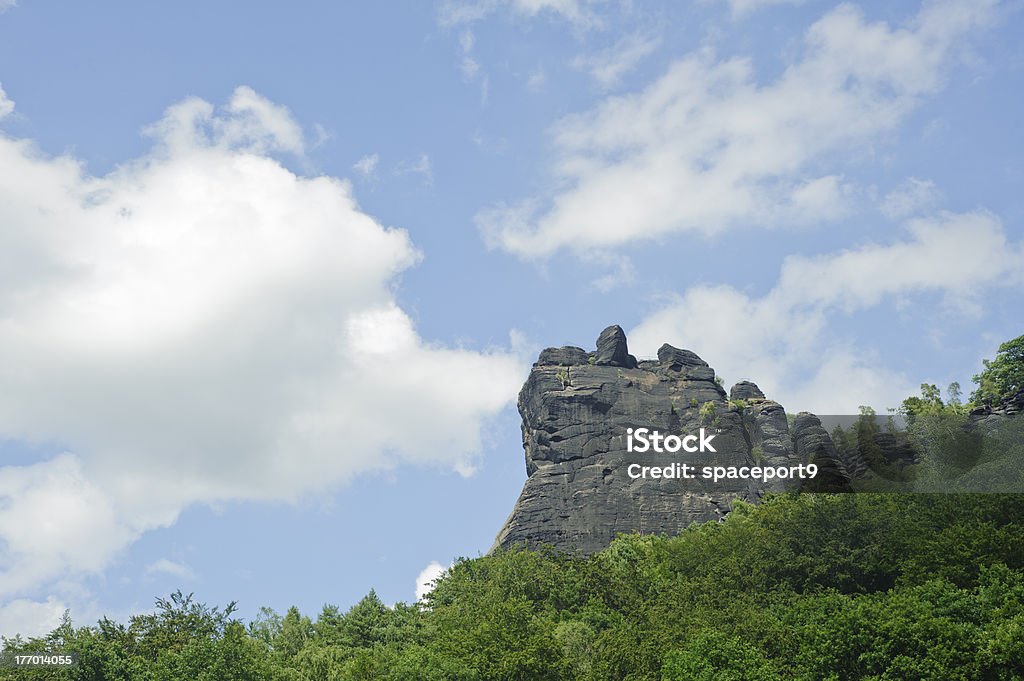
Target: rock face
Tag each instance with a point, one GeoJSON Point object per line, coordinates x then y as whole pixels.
{"type": "Point", "coordinates": [768, 430]}
{"type": "Point", "coordinates": [579, 409]}
{"type": "Point", "coordinates": [812, 444]}
{"type": "Point", "coordinates": [989, 417]}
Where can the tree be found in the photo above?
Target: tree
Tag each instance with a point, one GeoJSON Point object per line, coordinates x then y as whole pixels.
{"type": "Point", "coordinates": [930, 401]}
{"type": "Point", "coordinates": [714, 656]}
{"type": "Point", "coordinates": [1003, 376]}
{"type": "Point", "coordinates": [953, 394]}
{"type": "Point", "coordinates": [296, 630]}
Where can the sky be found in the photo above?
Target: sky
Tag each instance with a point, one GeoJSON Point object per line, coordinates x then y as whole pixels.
{"type": "Point", "coordinates": [271, 276]}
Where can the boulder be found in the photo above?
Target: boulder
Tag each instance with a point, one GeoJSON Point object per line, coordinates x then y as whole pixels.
{"type": "Point", "coordinates": [566, 356]}
{"type": "Point", "coordinates": [745, 390]}
{"type": "Point", "coordinates": [612, 349]}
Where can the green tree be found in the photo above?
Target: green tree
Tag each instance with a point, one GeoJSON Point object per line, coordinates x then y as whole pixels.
{"type": "Point", "coordinates": [714, 656]}
{"type": "Point", "coordinates": [930, 402]}
{"type": "Point", "coordinates": [953, 394]}
{"type": "Point", "coordinates": [296, 630]}
{"type": "Point", "coordinates": [1003, 376]}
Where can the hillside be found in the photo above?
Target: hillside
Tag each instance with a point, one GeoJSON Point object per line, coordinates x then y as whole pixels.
{"type": "Point", "coordinates": [801, 587]}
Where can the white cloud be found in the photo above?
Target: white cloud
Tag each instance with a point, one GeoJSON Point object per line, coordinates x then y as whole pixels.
{"type": "Point", "coordinates": [203, 325]}
{"type": "Point", "coordinates": [463, 14]}
{"type": "Point", "coordinates": [537, 79]}
{"type": "Point", "coordinates": [707, 148]}
{"type": "Point", "coordinates": [30, 618]}
{"type": "Point", "coordinates": [609, 66]}
{"type": "Point", "coordinates": [743, 8]}
{"type": "Point", "coordinates": [6, 105]}
{"type": "Point", "coordinates": [956, 253]}
{"type": "Point", "coordinates": [485, 90]}
{"type": "Point", "coordinates": [249, 123]}
{"type": "Point", "coordinates": [367, 165]}
{"type": "Point", "coordinates": [7, 4]}
{"type": "Point", "coordinates": [768, 339]}
{"type": "Point", "coordinates": [425, 580]}
{"type": "Point", "coordinates": [253, 117]}
{"type": "Point", "coordinates": [421, 166]}
{"type": "Point", "coordinates": [166, 566]}
{"type": "Point", "coordinates": [578, 13]}
{"type": "Point", "coordinates": [51, 517]}
{"type": "Point", "coordinates": [469, 66]}
{"type": "Point", "coordinates": [619, 270]}
{"type": "Point", "coordinates": [910, 197]}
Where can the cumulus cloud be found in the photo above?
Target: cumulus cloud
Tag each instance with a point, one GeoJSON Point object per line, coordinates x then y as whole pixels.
{"type": "Point", "coordinates": [425, 580]}
{"type": "Point", "coordinates": [607, 67]}
{"type": "Point", "coordinates": [706, 147]}
{"type": "Point", "coordinates": [203, 325]}
{"type": "Point", "coordinates": [52, 516]}
{"type": "Point", "coordinates": [769, 338]}
{"type": "Point", "coordinates": [6, 105]}
{"type": "Point", "coordinates": [30, 618]}
{"type": "Point", "coordinates": [249, 122]}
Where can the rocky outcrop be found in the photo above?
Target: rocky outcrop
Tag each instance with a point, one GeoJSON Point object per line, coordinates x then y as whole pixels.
{"type": "Point", "coordinates": [566, 357]}
{"type": "Point", "coordinates": [612, 349]}
{"type": "Point", "coordinates": [895, 451]}
{"type": "Point", "coordinates": [812, 444]}
{"type": "Point", "coordinates": [767, 426]}
{"type": "Point", "coordinates": [986, 418]}
{"type": "Point", "coordinates": [745, 390]}
{"type": "Point", "coordinates": [579, 409]}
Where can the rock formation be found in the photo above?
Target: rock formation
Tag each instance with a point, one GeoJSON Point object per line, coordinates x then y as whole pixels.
{"type": "Point", "coordinates": [811, 442]}
{"type": "Point", "coordinates": [578, 408]}
{"type": "Point", "coordinates": [987, 417]}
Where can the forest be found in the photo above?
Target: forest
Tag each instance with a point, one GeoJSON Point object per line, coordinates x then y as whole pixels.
{"type": "Point", "coordinates": [811, 586]}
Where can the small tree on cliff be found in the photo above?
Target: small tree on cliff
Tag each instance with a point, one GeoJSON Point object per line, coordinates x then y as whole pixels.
{"type": "Point", "coordinates": [1003, 376]}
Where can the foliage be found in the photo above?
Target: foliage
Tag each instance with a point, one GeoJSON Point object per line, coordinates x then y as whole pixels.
{"type": "Point", "coordinates": [1003, 376]}
{"type": "Point", "coordinates": [757, 453]}
{"type": "Point", "coordinates": [956, 453]}
{"type": "Point", "coordinates": [806, 586]}
{"type": "Point", "coordinates": [930, 402]}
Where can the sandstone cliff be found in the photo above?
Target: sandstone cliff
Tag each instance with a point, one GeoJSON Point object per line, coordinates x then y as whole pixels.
{"type": "Point", "coordinates": [577, 409]}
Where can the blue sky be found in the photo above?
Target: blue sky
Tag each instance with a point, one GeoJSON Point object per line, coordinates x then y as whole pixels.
{"type": "Point", "coordinates": [271, 277]}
